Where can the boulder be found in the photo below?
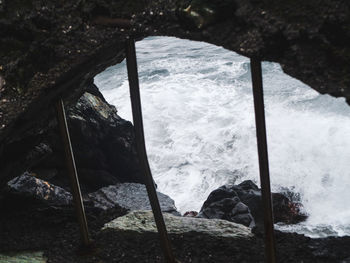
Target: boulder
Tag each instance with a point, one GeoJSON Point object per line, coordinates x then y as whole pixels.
{"type": "Point", "coordinates": [29, 187]}
{"type": "Point", "coordinates": [284, 209]}
{"type": "Point", "coordinates": [143, 222]}
{"type": "Point", "coordinates": [242, 204]}
{"type": "Point", "coordinates": [130, 196]}
{"type": "Point", "coordinates": [102, 142]}
{"type": "Point", "coordinates": [224, 203]}
{"type": "Point", "coordinates": [134, 238]}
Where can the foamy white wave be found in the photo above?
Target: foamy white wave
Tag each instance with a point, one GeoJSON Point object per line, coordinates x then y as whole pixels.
{"type": "Point", "coordinates": [200, 132]}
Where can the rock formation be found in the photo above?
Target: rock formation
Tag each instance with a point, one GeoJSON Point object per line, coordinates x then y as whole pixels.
{"type": "Point", "coordinates": [103, 145]}
{"type": "Point", "coordinates": [129, 196]}
{"type": "Point", "coordinates": [53, 50]}
{"type": "Point", "coordinates": [203, 240]}
{"type": "Point", "coordinates": [242, 204]}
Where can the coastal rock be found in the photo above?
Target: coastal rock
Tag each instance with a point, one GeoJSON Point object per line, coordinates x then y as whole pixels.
{"type": "Point", "coordinates": [193, 239]}
{"type": "Point", "coordinates": [242, 204]}
{"type": "Point", "coordinates": [102, 142]}
{"type": "Point", "coordinates": [143, 222]}
{"type": "Point", "coordinates": [224, 203]}
{"type": "Point", "coordinates": [29, 187]}
{"type": "Point", "coordinates": [47, 53]}
{"type": "Point", "coordinates": [129, 196]}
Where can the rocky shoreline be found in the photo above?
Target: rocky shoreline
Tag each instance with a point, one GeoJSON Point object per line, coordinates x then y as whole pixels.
{"type": "Point", "coordinates": [38, 215]}
{"type": "Point", "coordinates": [53, 50]}
{"type": "Point", "coordinates": [49, 227]}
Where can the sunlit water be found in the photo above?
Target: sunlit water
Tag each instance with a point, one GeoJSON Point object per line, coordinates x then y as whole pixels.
{"type": "Point", "coordinates": [200, 133]}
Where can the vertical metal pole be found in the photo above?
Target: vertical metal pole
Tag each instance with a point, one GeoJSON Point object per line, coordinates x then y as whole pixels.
{"type": "Point", "coordinates": [72, 171]}
{"type": "Point", "coordinates": [270, 244]}
{"type": "Point", "coordinates": [141, 149]}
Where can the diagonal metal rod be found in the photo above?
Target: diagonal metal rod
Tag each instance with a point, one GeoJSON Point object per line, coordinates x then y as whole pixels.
{"type": "Point", "coordinates": [141, 149]}
{"type": "Point", "coordinates": [270, 244]}
{"type": "Point", "coordinates": [72, 172]}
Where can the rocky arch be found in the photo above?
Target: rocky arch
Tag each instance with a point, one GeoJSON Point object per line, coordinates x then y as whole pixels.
{"type": "Point", "coordinates": [54, 50]}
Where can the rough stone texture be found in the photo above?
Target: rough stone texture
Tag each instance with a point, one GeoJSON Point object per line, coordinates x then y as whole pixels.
{"type": "Point", "coordinates": [194, 240]}
{"type": "Point", "coordinates": [27, 186]}
{"type": "Point", "coordinates": [52, 50]}
{"type": "Point", "coordinates": [129, 196]}
{"type": "Point", "coordinates": [23, 257]}
{"type": "Point", "coordinates": [102, 141]}
{"type": "Point", "coordinates": [133, 238]}
{"type": "Point", "coordinates": [242, 204]}
{"type": "Point", "coordinates": [143, 222]}
{"type": "Point", "coordinates": [223, 203]}
{"type": "Point", "coordinates": [24, 227]}
{"type": "Point", "coordinates": [103, 145]}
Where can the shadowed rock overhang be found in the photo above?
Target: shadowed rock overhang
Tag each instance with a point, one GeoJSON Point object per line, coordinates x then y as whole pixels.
{"type": "Point", "coordinates": [52, 50]}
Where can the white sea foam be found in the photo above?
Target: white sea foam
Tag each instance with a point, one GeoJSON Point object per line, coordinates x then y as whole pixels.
{"type": "Point", "coordinates": [200, 132]}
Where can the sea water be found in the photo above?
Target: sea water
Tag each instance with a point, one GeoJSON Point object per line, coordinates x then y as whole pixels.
{"type": "Point", "coordinates": [199, 126]}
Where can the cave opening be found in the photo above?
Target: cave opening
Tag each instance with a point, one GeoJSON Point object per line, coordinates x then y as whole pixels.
{"type": "Point", "coordinates": [200, 133]}
{"type": "Point", "coordinates": [200, 130]}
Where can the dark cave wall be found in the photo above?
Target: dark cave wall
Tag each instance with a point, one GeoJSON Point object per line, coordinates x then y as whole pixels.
{"type": "Point", "coordinates": [53, 49]}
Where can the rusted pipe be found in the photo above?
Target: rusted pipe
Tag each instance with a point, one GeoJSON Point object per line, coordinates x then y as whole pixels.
{"type": "Point", "coordinates": [141, 149]}
{"type": "Point", "coordinates": [270, 244]}
{"type": "Point", "coordinates": [72, 172]}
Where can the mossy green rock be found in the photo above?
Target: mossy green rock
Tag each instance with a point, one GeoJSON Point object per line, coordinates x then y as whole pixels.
{"type": "Point", "coordinates": [23, 257]}
{"type": "Point", "coordinates": [143, 222]}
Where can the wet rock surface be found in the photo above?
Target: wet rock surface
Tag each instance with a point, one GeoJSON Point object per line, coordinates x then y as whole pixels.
{"type": "Point", "coordinates": [129, 196]}
{"type": "Point", "coordinates": [243, 204]}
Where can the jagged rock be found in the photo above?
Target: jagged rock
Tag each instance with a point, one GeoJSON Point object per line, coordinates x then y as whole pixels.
{"type": "Point", "coordinates": [223, 203]}
{"type": "Point", "coordinates": [102, 144]}
{"type": "Point", "coordinates": [284, 210]}
{"type": "Point", "coordinates": [130, 196]}
{"type": "Point", "coordinates": [242, 204]}
{"type": "Point", "coordinates": [29, 186]}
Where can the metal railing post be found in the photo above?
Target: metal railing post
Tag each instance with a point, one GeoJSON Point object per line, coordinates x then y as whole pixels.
{"type": "Point", "coordinates": [141, 149]}
{"type": "Point", "coordinates": [270, 244]}
{"type": "Point", "coordinates": [72, 172]}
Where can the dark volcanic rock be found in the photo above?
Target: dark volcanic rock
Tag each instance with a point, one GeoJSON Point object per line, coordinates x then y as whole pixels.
{"type": "Point", "coordinates": [50, 50]}
{"type": "Point", "coordinates": [102, 143]}
{"type": "Point", "coordinates": [223, 203]}
{"type": "Point", "coordinates": [242, 204]}
{"type": "Point", "coordinates": [27, 186]}
{"type": "Point", "coordinates": [129, 196]}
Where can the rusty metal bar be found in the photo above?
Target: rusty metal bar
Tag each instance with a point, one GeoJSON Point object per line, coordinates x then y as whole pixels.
{"type": "Point", "coordinates": [270, 243]}
{"type": "Point", "coordinates": [141, 149]}
{"type": "Point", "coordinates": [72, 171]}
